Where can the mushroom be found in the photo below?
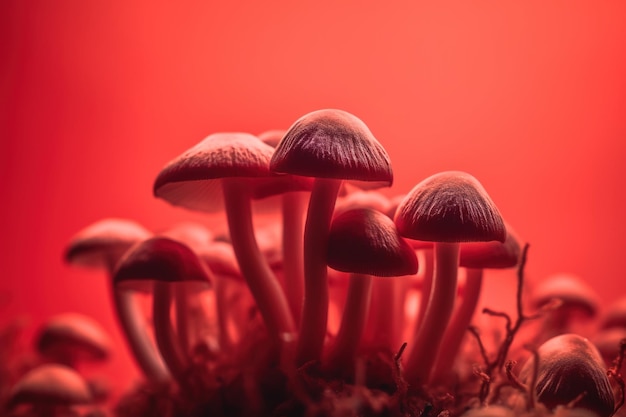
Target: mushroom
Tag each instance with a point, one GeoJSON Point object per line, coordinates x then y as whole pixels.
{"type": "Point", "coordinates": [100, 246]}
{"type": "Point", "coordinates": [162, 261]}
{"type": "Point", "coordinates": [578, 305]}
{"type": "Point", "coordinates": [50, 388]}
{"type": "Point", "coordinates": [230, 169]}
{"type": "Point", "coordinates": [72, 338]}
{"type": "Point", "coordinates": [329, 145]}
{"type": "Point", "coordinates": [570, 371]}
{"type": "Point", "coordinates": [474, 257]}
{"type": "Point", "coordinates": [364, 243]}
{"type": "Point", "coordinates": [614, 315]}
{"type": "Point", "coordinates": [446, 208]}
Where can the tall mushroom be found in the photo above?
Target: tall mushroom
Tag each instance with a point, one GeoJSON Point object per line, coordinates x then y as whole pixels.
{"type": "Point", "coordinates": [446, 208]}
{"type": "Point", "coordinates": [329, 145]}
{"type": "Point", "coordinates": [229, 169]}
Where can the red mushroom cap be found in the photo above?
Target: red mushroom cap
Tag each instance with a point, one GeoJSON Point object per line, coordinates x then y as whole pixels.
{"type": "Point", "coordinates": [366, 241]}
{"type": "Point", "coordinates": [450, 206]}
{"type": "Point", "coordinates": [160, 259]}
{"type": "Point", "coordinates": [332, 144]}
{"type": "Point", "coordinates": [492, 254]}
{"type": "Point", "coordinates": [103, 242]}
{"type": "Point", "coordinates": [192, 180]}
{"type": "Point", "coordinates": [570, 289]}
{"type": "Point", "coordinates": [73, 336]}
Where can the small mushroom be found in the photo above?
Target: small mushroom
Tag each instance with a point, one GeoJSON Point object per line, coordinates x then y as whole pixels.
{"type": "Point", "coordinates": [570, 372]}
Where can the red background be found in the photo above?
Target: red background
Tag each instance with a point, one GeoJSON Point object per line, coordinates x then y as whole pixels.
{"type": "Point", "coordinates": [529, 97]}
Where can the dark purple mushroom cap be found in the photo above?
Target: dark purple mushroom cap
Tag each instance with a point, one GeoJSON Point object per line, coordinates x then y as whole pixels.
{"type": "Point", "coordinates": [335, 144]}
{"type": "Point", "coordinates": [569, 366]}
{"type": "Point", "coordinates": [193, 180]}
{"type": "Point", "coordinates": [492, 254]}
{"type": "Point", "coordinates": [615, 315]}
{"type": "Point", "coordinates": [450, 206]}
{"type": "Point", "coordinates": [573, 292]}
{"type": "Point", "coordinates": [52, 385]}
{"type": "Point", "coordinates": [366, 241]}
{"type": "Point", "coordinates": [220, 258]}
{"type": "Point", "coordinates": [104, 242]}
{"type": "Point", "coordinates": [74, 336]}
{"type": "Point", "coordinates": [159, 259]}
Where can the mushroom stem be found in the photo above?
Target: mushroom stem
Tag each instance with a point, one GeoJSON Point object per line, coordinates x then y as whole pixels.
{"type": "Point", "coordinates": [426, 262]}
{"type": "Point", "coordinates": [352, 322]}
{"type": "Point", "coordinates": [182, 295]}
{"type": "Point", "coordinates": [134, 328]}
{"type": "Point", "coordinates": [457, 327]}
{"type": "Point", "coordinates": [263, 285]}
{"type": "Point", "coordinates": [294, 205]}
{"type": "Point", "coordinates": [315, 308]}
{"type": "Point", "coordinates": [221, 311]}
{"type": "Point", "coordinates": [164, 333]}
{"type": "Point", "coordinates": [438, 312]}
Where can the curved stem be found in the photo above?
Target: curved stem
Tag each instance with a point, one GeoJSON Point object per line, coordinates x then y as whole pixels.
{"type": "Point", "coordinates": [426, 262]}
{"type": "Point", "coordinates": [134, 327]}
{"type": "Point", "coordinates": [293, 230]}
{"type": "Point", "coordinates": [221, 311]}
{"type": "Point", "coordinates": [422, 356]}
{"type": "Point", "coordinates": [166, 338]}
{"type": "Point", "coordinates": [315, 308]}
{"type": "Point", "coordinates": [264, 286]}
{"type": "Point", "coordinates": [352, 322]}
{"type": "Point", "coordinates": [182, 295]}
{"type": "Point", "coordinates": [461, 319]}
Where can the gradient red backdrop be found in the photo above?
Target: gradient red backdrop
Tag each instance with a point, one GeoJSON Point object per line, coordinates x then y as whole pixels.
{"type": "Point", "coordinates": [530, 97]}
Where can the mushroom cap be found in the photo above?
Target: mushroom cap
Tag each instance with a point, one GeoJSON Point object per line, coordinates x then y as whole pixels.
{"type": "Point", "coordinates": [50, 384]}
{"type": "Point", "coordinates": [220, 258]}
{"type": "Point", "coordinates": [332, 143]}
{"type": "Point", "coordinates": [492, 254]}
{"type": "Point", "coordinates": [570, 365]}
{"type": "Point", "coordinates": [615, 315]}
{"type": "Point", "coordinates": [103, 242]}
{"type": "Point", "coordinates": [362, 199]}
{"type": "Point", "coordinates": [366, 241]}
{"type": "Point", "coordinates": [608, 342]}
{"type": "Point", "coordinates": [159, 259]}
{"type": "Point", "coordinates": [272, 137]}
{"type": "Point", "coordinates": [450, 206]}
{"type": "Point", "coordinates": [570, 289]}
{"type": "Point", "coordinates": [73, 335]}
{"type": "Point", "coordinates": [195, 235]}
{"type": "Point", "coordinates": [193, 179]}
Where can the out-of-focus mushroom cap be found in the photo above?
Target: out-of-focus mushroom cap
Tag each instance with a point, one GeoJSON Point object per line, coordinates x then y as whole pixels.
{"type": "Point", "coordinates": [362, 199]}
{"type": "Point", "coordinates": [193, 179]}
{"type": "Point", "coordinates": [220, 258]}
{"type": "Point", "coordinates": [74, 335]}
{"type": "Point", "coordinates": [450, 206]}
{"type": "Point", "coordinates": [332, 143]}
{"type": "Point", "coordinates": [568, 288]}
{"type": "Point", "coordinates": [570, 365]}
{"type": "Point", "coordinates": [103, 242]}
{"type": "Point", "coordinates": [50, 384]}
{"type": "Point", "coordinates": [194, 235]}
{"type": "Point", "coordinates": [492, 254]}
{"type": "Point", "coordinates": [365, 241]}
{"type": "Point", "coordinates": [608, 343]}
{"type": "Point", "coordinates": [159, 259]}
{"type": "Point", "coordinates": [615, 315]}
{"type": "Point", "coordinates": [272, 137]}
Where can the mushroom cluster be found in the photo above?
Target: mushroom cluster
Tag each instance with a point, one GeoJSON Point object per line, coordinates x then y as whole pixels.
{"type": "Point", "coordinates": [344, 302]}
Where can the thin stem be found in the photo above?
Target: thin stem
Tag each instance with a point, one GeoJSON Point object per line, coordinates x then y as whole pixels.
{"type": "Point", "coordinates": [134, 327]}
{"type": "Point", "coordinates": [294, 206]}
{"type": "Point", "coordinates": [457, 327]}
{"type": "Point", "coordinates": [315, 308]}
{"type": "Point", "coordinates": [422, 357]}
{"type": "Point", "coordinates": [352, 322]}
{"type": "Point", "coordinates": [164, 333]}
{"type": "Point", "coordinates": [426, 262]}
{"type": "Point", "coordinates": [262, 282]}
